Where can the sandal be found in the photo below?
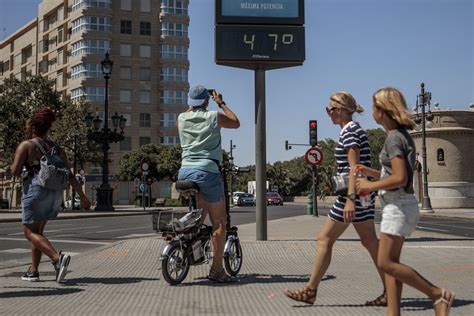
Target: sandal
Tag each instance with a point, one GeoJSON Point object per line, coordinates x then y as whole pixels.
{"type": "Point", "coordinates": [379, 301]}
{"type": "Point", "coordinates": [306, 295]}
{"type": "Point", "coordinates": [444, 299]}
{"type": "Point", "coordinates": [220, 277]}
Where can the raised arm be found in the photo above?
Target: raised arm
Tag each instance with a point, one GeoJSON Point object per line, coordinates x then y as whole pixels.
{"type": "Point", "coordinates": [227, 119]}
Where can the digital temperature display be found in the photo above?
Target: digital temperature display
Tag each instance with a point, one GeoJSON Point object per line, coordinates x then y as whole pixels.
{"type": "Point", "coordinates": [260, 43]}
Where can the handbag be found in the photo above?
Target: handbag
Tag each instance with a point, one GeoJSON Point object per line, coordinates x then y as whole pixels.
{"type": "Point", "coordinates": [339, 184]}
{"type": "Point", "coordinates": [53, 173]}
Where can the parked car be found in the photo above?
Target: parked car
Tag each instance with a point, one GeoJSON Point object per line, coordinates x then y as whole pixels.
{"type": "Point", "coordinates": [4, 204]}
{"type": "Point", "coordinates": [246, 199]}
{"type": "Point", "coordinates": [77, 203]}
{"type": "Point", "coordinates": [235, 197]}
{"type": "Point", "coordinates": [273, 198]}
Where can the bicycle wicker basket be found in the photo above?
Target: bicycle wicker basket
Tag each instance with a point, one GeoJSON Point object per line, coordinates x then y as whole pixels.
{"type": "Point", "coordinates": [169, 221]}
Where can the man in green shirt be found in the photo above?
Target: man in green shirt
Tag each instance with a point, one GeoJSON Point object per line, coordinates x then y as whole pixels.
{"type": "Point", "coordinates": [200, 138]}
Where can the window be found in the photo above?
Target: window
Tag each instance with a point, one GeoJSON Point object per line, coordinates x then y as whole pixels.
{"type": "Point", "coordinates": [174, 6]}
{"type": "Point", "coordinates": [77, 4]}
{"type": "Point", "coordinates": [145, 73]}
{"type": "Point", "coordinates": [145, 120]}
{"type": "Point", "coordinates": [94, 23]}
{"type": "Point", "coordinates": [125, 96]}
{"type": "Point", "coordinates": [84, 46]}
{"type": "Point", "coordinates": [174, 52]}
{"type": "Point", "coordinates": [145, 97]}
{"type": "Point", "coordinates": [174, 74]}
{"type": "Point", "coordinates": [126, 5]}
{"type": "Point", "coordinates": [174, 29]}
{"type": "Point", "coordinates": [126, 144]}
{"type": "Point", "coordinates": [94, 94]}
{"type": "Point", "coordinates": [125, 27]}
{"type": "Point", "coordinates": [125, 50]}
{"type": "Point", "coordinates": [169, 140]}
{"type": "Point", "coordinates": [145, 51]}
{"type": "Point", "coordinates": [128, 118]}
{"type": "Point", "coordinates": [125, 72]}
{"type": "Point", "coordinates": [77, 94]}
{"type": "Point", "coordinates": [173, 97]}
{"type": "Point", "coordinates": [145, 28]}
{"type": "Point", "coordinates": [144, 140]}
{"type": "Point", "coordinates": [86, 70]}
{"type": "Point", "coordinates": [168, 119]}
{"type": "Point", "coordinates": [145, 6]}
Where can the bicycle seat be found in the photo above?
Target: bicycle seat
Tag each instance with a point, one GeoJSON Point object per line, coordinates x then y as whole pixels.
{"type": "Point", "coordinates": [186, 185]}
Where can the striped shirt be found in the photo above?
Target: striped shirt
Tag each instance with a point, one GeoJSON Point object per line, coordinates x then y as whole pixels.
{"type": "Point", "coordinates": [352, 136]}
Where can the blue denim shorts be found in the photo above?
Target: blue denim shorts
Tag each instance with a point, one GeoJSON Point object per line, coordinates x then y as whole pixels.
{"type": "Point", "coordinates": [39, 204]}
{"type": "Point", "coordinates": [210, 184]}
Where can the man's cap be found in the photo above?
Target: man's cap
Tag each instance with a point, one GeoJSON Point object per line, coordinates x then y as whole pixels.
{"type": "Point", "coordinates": [197, 95]}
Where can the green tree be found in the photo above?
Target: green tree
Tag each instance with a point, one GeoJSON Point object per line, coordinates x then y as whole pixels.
{"type": "Point", "coordinates": [163, 161]}
{"type": "Point", "coordinates": [376, 139]}
{"type": "Point", "coordinates": [19, 100]}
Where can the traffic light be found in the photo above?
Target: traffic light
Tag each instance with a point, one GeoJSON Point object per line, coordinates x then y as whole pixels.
{"type": "Point", "coordinates": [287, 147]}
{"type": "Point", "coordinates": [313, 133]}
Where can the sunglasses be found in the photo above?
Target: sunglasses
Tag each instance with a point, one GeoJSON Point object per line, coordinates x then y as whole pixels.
{"type": "Point", "coordinates": [330, 109]}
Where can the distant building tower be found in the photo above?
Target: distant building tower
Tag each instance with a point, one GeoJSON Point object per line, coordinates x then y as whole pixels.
{"type": "Point", "coordinates": [450, 154]}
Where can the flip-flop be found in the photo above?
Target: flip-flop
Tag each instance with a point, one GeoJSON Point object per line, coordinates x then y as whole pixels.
{"type": "Point", "coordinates": [443, 299]}
{"type": "Point", "coordinates": [379, 301]}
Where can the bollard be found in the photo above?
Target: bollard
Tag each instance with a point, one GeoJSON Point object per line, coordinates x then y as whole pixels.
{"type": "Point", "coordinates": [309, 207]}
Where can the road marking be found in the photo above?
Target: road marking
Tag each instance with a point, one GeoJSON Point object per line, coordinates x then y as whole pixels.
{"type": "Point", "coordinates": [120, 229]}
{"type": "Point", "coordinates": [16, 250]}
{"type": "Point", "coordinates": [62, 241]}
{"type": "Point", "coordinates": [59, 230]}
{"type": "Point", "coordinates": [439, 230]}
{"type": "Point", "coordinates": [137, 235]}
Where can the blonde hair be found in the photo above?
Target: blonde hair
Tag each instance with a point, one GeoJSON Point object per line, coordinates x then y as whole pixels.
{"type": "Point", "coordinates": [345, 100]}
{"type": "Point", "coordinates": [392, 102]}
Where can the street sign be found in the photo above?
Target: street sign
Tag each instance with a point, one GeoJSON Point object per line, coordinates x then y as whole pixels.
{"type": "Point", "coordinates": [314, 156]}
{"type": "Point", "coordinates": [142, 187]}
{"type": "Point", "coordinates": [145, 166]}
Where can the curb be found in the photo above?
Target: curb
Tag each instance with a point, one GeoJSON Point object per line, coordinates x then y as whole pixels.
{"type": "Point", "coordinates": [12, 220]}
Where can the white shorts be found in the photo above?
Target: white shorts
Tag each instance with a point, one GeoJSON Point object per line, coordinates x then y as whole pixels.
{"type": "Point", "coordinates": [400, 212]}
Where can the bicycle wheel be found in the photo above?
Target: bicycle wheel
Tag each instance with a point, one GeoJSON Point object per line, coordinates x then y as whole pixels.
{"type": "Point", "coordinates": [175, 266]}
{"type": "Point", "coordinates": [233, 257]}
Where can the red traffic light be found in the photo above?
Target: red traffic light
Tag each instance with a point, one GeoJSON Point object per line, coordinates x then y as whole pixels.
{"type": "Point", "coordinates": [313, 124]}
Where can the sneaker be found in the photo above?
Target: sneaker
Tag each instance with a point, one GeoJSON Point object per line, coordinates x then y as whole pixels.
{"type": "Point", "coordinates": [61, 266]}
{"type": "Point", "coordinates": [31, 276]}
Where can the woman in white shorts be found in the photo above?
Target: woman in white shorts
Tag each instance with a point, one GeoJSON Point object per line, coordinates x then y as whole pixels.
{"type": "Point", "coordinates": [400, 209]}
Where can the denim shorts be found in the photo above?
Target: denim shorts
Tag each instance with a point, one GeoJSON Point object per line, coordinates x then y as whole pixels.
{"type": "Point", "coordinates": [210, 184]}
{"type": "Point", "coordinates": [400, 212]}
{"type": "Point", "coordinates": [39, 204]}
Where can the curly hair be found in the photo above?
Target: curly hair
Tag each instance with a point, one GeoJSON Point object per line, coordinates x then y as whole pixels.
{"type": "Point", "coordinates": [392, 102]}
{"type": "Point", "coordinates": [40, 123]}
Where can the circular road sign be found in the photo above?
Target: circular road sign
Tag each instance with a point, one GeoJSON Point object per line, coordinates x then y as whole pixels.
{"type": "Point", "coordinates": [144, 166]}
{"type": "Point", "coordinates": [314, 156]}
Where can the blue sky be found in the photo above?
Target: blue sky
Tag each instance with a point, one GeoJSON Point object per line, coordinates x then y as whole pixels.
{"type": "Point", "coordinates": [356, 46]}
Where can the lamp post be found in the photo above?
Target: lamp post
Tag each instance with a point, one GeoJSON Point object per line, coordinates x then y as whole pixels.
{"type": "Point", "coordinates": [74, 170]}
{"type": "Point", "coordinates": [231, 160]}
{"type": "Point", "coordinates": [105, 137]}
{"type": "Point", "coordinates": [424, 99]}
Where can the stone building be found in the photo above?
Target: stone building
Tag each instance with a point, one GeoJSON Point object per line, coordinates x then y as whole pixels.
{"type": "Point", "coordinates": [148, 43]}
{"type": "Point", "coordinates": [449, 154]}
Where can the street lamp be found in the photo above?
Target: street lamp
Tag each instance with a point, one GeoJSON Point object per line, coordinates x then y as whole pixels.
{"type": "Point", "coordinates": [231, 161]}
{"type": "Point", "coordinates": [105, 137]}
{"type": "Point", "coordinates": [423, 100]}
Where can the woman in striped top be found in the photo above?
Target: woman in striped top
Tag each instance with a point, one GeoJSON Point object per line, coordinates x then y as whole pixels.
{"type": "Point", "coordinates": [352, 149]}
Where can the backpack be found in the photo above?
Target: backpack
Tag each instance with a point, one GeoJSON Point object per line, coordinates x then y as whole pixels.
{"type": "Point", "coordinates": [54, 172]}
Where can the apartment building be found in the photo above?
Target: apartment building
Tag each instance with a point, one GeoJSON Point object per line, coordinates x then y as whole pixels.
{"type": "Point", "coordinates": [148, 43]}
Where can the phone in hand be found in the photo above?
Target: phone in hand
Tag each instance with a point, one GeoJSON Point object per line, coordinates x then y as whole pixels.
{"type": "Point", "coordinates": [211, 92]}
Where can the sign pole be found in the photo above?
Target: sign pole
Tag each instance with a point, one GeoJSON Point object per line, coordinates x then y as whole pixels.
{"type": "Point", "coordinates": [260, 154]}
{"type": "Point", "coordinates": [315, 190]}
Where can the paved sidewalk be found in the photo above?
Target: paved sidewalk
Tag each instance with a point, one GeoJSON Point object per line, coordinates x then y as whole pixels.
{"type": "Point", "coordinates": [125, 278]}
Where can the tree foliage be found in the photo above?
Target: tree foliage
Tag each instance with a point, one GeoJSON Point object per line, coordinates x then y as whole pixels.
{"type": "Point", "coordinates": [163, 161]}
{"type": "Point", "coordinates": [19, 100]}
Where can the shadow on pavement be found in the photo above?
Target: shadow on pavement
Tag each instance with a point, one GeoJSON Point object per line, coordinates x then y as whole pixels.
{"type": "Point", "coordinates": [107, 281]}
{"type": "Point", "coordinates": [243, 279]}
{"type": "Point", "coordinates": [39, 291]}
{"type": "Point", "coordinates": [426, 304]}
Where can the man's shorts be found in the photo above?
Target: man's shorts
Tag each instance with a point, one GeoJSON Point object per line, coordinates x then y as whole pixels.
{"type": "Point", "coordinates": [210, 184]}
